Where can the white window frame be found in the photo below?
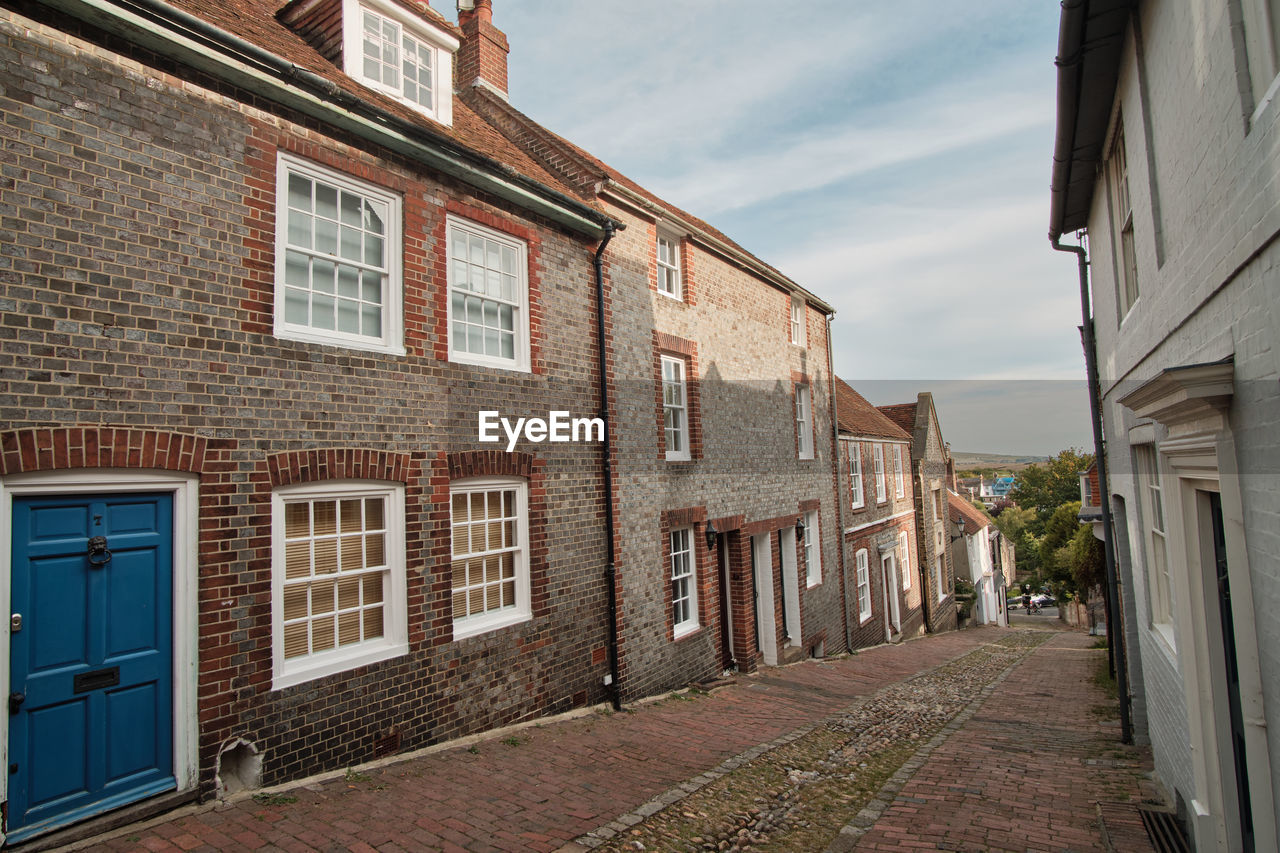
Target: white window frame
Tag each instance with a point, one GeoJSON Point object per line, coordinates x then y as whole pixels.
{"type": "Point", "coordinates": [938, 576]}
{"type": "Point", "coordinates": [440, 43]}
{"type": "Point", "coordinates": [864, 586]}
{"type": "Point", "coordinates": [683, 454]}
{"type": "Point", "coordinates": [877, 452]}
{"type": "Point", "coordinates": [521, 360]}
{"type": "Point", "coordinates": [857, 494]}
{"type": "Point", "coordinates": [899, 487]}
{"type": "Point", "coordinates": [798, 330]}
{"type": "Point", "coordinates": [812, 549]}
{"type": "Point", "coordinates": [905, 562]}
{"type": "Point", "coordinates": [804, 422]}
{"type": "Point", "coordinates": [392, 338]}
{"type": "Point", "coordinates": [1127, 290]}
{"type": "Point", "coordinates": [1155, 540]}
{"type": "Point", "coordinates": [683, 567]}
{"type": "Point", "coordinates": [395, 639]}
{"type": "Point", "coordinates": [669, 271]}
{"type": "Point", "coordinates": [522, 610]}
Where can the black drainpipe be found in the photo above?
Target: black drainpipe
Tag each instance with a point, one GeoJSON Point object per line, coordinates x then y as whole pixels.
{"type": "Point", "coordinates": [1115, 631]}
{"type": "Point", "coordinates": [610, 571]}
{"type": "Point", "coordinates": [835, 461]}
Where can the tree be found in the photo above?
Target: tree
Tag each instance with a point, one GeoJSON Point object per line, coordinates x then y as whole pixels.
{"type": "Point", "coordinates": [1088, 563]}
{"type": "Point", "coordinates": [1014, 523]}
{"type": "Point", "coordinates": [1060, 529]}
{"type": "Point", "coordinates": [1049, 485]}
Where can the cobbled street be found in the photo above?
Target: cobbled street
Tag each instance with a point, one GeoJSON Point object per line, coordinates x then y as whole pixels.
{"type": "Point", "coordinates": [940, 743]}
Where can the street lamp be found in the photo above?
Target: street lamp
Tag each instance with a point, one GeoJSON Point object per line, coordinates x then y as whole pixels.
{"type": "Point", "coordinates": [960, 527]}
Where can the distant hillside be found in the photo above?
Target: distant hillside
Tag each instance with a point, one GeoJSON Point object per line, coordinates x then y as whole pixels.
{"type": "Point", "coordinates": [1001, 461]}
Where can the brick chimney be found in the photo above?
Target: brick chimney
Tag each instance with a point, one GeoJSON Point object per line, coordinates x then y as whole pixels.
{"type": "Point", "coordinates": [482, 58]}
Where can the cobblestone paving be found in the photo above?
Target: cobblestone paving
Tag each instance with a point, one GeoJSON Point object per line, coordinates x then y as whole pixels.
{"type": "Point", "coordinates": [543, 786]}
{"type": "Point", "coordinates": [798, 796]}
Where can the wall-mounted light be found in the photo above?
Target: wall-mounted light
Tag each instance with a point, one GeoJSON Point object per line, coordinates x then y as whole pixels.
{"type": "Point", "coordinates": [960, 527]}
{"type": "Point", "coordinates": [712, 533]}
{"type": "Point", "coordinates": [800, 527]}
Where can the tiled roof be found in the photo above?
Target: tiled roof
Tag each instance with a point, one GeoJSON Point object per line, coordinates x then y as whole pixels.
{"type": "Point", "coordinates": [859, 417]}
{"type": "Point", "coordinates": [958, 507]}
{"type": "Point", "coordinates": [902, 414]}
{"type": "Point", "coordinates": [255, 22]}
{"type": "Point", "coordinates": [490, 104]}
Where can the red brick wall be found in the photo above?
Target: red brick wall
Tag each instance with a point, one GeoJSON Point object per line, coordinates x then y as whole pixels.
{"type": "Point", "coordinates": [138, 333]}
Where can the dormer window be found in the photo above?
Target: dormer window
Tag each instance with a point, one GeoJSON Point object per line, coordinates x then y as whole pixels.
{"type": "Point", "coordinates": [389, 49]}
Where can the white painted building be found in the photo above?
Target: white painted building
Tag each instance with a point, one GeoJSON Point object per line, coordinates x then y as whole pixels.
{"type": "Point", "coordinates": [974, 545]}
{"type": "Point", "coordinates": [1168, 159]}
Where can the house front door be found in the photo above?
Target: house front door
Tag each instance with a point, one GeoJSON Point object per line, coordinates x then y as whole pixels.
{"type": "Point", "coordinates": [1231, 666]}
{"type": "Point", "coordinates": [766, 624]}
{"type": "Point", "coordinates": [91, 657]}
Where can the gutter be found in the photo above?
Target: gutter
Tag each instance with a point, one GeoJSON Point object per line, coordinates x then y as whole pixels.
{"type": "Point", "coordinates": [191, 41]}
{"type": "Point", "coordinates": [746, 261]}
{"type": "Point", "coordinates": [1116, 650]}
{"type": "Point", "coordinates": [606, 471]}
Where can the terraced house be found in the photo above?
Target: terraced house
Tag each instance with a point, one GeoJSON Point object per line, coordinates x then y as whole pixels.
{"type": "Point", "coordinates": [932, 474]}
{"type": "Point", "coordinates": [1172, 176]}
{"type": "Point", "coordinates": [719, 368]}
{"type": "Point", "coordinates": [264, 268]}
{"type": "Point", "coordinates": [879, 530]}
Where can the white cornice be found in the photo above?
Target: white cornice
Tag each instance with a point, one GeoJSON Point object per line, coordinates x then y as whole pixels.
{"type": "Point", "coordinates": [1180, 395]}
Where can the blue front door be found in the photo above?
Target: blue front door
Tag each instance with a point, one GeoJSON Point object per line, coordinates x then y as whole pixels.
{"type": "Point", "coordinates": [91, 666]}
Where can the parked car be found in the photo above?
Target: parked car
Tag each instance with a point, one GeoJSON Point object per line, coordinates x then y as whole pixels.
{"type": "Point", "coordinates": [1044, 600]}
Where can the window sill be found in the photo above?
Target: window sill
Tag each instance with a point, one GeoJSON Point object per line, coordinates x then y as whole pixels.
{"type": "Point", "coordinates": [863, 620]}
{"type": "Point", "coordinates": [462, 629]}
{"type": "Point", "coordinates": [1164, 633]}
{"type": "Point", "coordinates": [483, 361]}
{"type": "Point", "coordinates": [336, 340]}
{"type": "Point", "coordinates": [678, 457]}
{"type": "Point", "coordinates": [301, 673]}
{"type": "Point", "coordinates": [682, 632]}
{"type": "Point", "coordinates": [811, 584]}
{"type": "Point", "coordinates": [673, 297]}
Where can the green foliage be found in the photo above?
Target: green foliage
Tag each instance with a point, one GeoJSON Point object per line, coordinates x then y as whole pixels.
{"type": "Point", "coordinates": [1048, 485]}
{"type": "Point", "coordinates": [1059, 530]}
{"type": "Point", "coordinates": [1015, 523]}
{"type": "Point", "coordinates": [1088, 562]}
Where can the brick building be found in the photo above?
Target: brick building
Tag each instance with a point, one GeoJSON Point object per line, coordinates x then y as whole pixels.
{"type": "Point", "coordinates": [1167, 142]}
{"type": "Point", "coordinates": [878, 536]}
{"type": "Point", "coordinates": [932, 473]}
{"type": "Point", "coordinates": [252, 308]}
{"type": "Point", "coordinates": [711, 436]}
{"type": "Point", "coordinates": [264, 270]}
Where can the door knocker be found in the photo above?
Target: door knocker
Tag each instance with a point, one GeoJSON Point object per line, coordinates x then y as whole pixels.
{"type": "Point", "coordinates": [99, 556]}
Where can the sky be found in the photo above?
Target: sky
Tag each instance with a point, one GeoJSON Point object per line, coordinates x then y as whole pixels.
{"type": "Point", "coordinates": [892, 158]}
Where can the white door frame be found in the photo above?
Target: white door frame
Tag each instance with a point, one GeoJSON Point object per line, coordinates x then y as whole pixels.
{"type": "Point", "coordinates": [185, 489]}
{"type": "Point", "coordinates": [892, 614]}
{"type": "Point", "coordinates": [791, 586]}
{"type": "Point", "coordinates": [1191, 466]}
{"type": "Point", "coordinates": [763, 581]}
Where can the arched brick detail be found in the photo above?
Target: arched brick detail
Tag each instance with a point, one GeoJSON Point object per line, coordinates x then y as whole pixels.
{"type": "Point", "coordinates": [489, 463]}
{"type": "Point", "coordinates": [57, 448]}
{"type": "Point", "coordinates": [344, 463]}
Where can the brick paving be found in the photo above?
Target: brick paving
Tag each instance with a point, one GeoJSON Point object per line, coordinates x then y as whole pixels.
{"type": "Point", "coordinates": [1026, 771]}
{"type": "Point", "coordinates": [563, 779]}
